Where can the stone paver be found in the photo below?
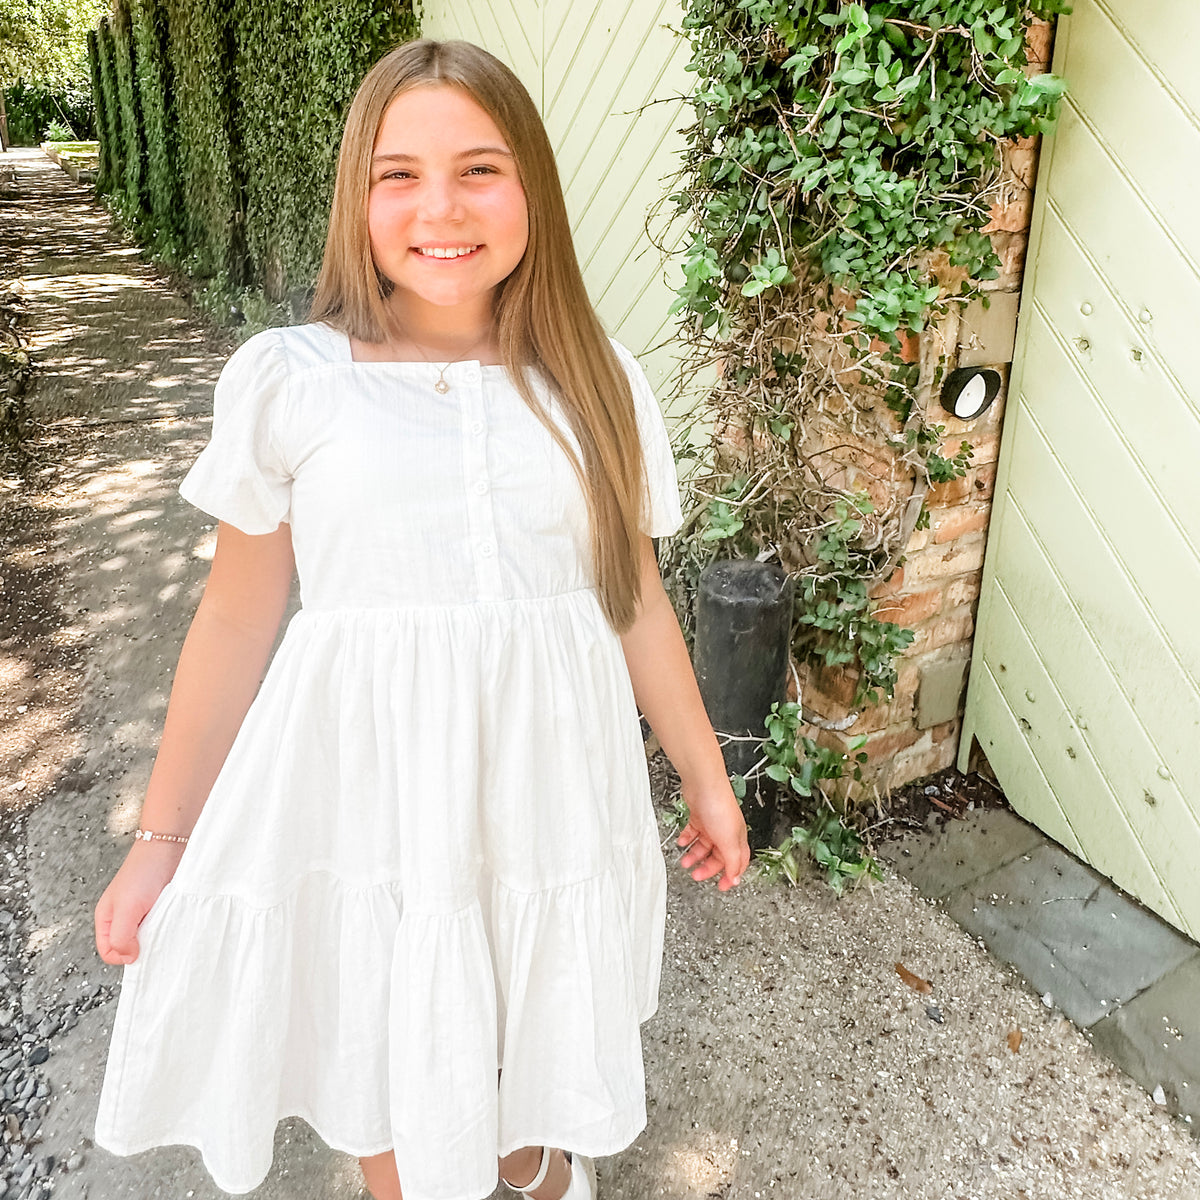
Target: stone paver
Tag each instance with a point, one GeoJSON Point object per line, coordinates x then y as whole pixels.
{"type": "Point", "coordinates": [1069, 932]}
{"type": "Point", "coordinates": [1126, 977]}
{"type": "Point", "coordinates": [1156, 1037]}
{"type": "Point", "coordinates": [942, 858]}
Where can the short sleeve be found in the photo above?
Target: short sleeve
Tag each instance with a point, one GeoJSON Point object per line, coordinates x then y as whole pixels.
{"type": "Point", "coordinates": [662, 514]}
{"type": "Point", "coordinates": [240, 476]}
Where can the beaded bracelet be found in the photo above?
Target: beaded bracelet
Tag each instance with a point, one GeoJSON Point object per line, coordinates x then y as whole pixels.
{"type": "Point", "coordinates": [145, 835]}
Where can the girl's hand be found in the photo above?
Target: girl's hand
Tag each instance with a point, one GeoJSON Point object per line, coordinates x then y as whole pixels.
{"type": "Point", "coordinates": [715, 835]}
{"type": "Point", "coordinates": [129, 897]}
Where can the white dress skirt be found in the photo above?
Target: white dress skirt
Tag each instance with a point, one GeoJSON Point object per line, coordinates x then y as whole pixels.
{"type": "Point", "coordinates": [431, 853]}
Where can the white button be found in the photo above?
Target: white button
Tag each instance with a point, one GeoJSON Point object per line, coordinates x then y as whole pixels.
{"type": "Point", "coordinates": [487, 549]}
{"type": "Point", "coordinates": [481, 488]}
{"type": "Point", "coordinates": [477, 427]}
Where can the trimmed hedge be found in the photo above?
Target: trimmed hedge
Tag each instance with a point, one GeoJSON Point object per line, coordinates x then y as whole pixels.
{"type": "Point", "coordinates": [219, 126]}
{"type": "Point", "coordinates": [31, 107]}
{"type": "Point", "coordinates": [153, 71]}
{"type": "Point", "coordinates": [112, 145]}
{"type": "Point", "coordinates": [134, 149]}
{"type": "Point", "coordinates": [101, 100]}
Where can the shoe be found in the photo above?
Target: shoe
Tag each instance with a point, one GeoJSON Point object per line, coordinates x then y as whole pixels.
{"type": "Point", "coordinates": [583, 1177]}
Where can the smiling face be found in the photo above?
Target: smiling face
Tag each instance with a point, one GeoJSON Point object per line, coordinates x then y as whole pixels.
{"type": "Point", "coordinates": [446, 212]}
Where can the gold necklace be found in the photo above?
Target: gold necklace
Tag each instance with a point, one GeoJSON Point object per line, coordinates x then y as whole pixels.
{"type": "Point", "coordinates": [442, 387]}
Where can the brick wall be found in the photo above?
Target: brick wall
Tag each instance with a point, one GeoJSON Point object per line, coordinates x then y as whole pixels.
{"type": "Point", "coordinates": [936, 590]}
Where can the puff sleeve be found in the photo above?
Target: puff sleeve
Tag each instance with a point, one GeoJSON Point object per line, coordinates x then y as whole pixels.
{"type": "Point", "coordinates": [241, 477]}
{"type": "Point", "coordinates": [662, 514]}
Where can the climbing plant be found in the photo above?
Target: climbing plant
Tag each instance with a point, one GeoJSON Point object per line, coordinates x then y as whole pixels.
{"type": "Point", "coordinates": [838, 177]}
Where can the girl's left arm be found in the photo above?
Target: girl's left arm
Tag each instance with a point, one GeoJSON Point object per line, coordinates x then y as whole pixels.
{"type": "Point", "coordinates": [665, 688]}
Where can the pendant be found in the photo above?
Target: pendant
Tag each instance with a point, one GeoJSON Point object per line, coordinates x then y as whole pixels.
{"type": "Point", "coordinates": [441, 386]}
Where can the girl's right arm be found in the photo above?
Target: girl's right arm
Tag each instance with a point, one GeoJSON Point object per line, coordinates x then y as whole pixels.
{"type": "Point", "coordinates": [222, 663]}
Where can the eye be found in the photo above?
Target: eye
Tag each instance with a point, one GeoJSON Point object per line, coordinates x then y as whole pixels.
{"type": "Point", "coordinates": [398, 174]}
{"type": "Point", "coordinates": [481, 167]}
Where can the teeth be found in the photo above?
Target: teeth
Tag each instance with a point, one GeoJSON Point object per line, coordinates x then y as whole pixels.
{"type": "Point", "coordinates": [440, 252]}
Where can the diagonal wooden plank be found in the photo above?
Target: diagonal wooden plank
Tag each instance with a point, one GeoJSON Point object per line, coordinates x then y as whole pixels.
{"type": "Point", "coordinates": [1079, 782]}
{"type": "Point", "coordinates": [1016, 767]}
{"type": "Point", "coordinates": [1165, 37]}
{"type": "Point", "coordinates": [1143, 265]}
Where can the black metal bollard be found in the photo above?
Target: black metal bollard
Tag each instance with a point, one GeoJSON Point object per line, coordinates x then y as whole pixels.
{"type": "Point", "coordinates": [743, 629]}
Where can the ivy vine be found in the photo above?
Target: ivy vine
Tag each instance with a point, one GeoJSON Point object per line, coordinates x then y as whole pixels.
{"type": "Point", "coordinates": [838, 177]}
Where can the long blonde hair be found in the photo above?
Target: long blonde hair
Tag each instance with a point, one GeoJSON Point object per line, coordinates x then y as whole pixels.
{"type": "Point", "coordinates": [544, 318]}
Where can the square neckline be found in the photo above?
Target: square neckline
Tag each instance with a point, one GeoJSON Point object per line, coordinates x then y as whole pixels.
{"type": "Point", "coordinates": [346, 355]}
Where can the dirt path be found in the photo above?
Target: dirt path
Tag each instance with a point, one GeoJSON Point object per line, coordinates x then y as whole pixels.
{"type": "Point", "coordinates": [787, 1058]}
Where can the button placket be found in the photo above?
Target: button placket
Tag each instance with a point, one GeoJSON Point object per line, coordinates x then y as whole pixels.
{"type": "Point", "coordinates": [481, 519]}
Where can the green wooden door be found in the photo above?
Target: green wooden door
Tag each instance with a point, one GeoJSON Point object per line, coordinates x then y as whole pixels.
{"type": "Point", "coordinates": [1085, 679]}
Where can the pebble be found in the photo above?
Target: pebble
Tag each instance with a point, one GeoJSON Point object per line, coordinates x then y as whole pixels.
{"type": "Point", "coordinates": [38, 1055]}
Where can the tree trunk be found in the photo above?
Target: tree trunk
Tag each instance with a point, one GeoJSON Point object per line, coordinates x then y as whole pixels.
{"type": "Point", "coordinates": [3, 124]}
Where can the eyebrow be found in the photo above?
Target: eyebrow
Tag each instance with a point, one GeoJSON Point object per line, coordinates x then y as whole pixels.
{"type": "Point", "coordinates": [465, 154]}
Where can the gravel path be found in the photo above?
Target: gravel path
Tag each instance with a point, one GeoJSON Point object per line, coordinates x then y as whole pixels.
{"type": "Point", "coordinates": [787, 1058]}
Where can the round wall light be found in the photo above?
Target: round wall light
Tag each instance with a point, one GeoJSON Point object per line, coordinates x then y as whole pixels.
{"type": "Point", "coordinates": [969, 391]}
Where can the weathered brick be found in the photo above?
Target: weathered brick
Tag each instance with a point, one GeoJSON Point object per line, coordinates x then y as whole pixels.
{"type": "Point", "coordinates": [955, 427]}
{"type": "Point", "coordinates": [890, 741]}
{"type": "Point", "coordinates": [835, 683]}
{"type": "Point", "coordinates": [957, 521]}
{"type": "Point", "coordinates": [825, 707]}
{"type": "Point", "coordinates": [875, 717]}
{"type": "Point", "coordinates": [947, 729]}
{"type": "Point", "coordinates": [1021, 162]}
{"type": "Point", "coordinates": [963, 591]}
{"type": "Point", "coordinates": [958, 558]}
{"type": "Point", "coordinates": [984, 480]}
{"type": "Point", "coordinates": [1011, 213]}
{"type": "Point", "coordinates": [889, 586]}
{"type": "Point", "coordinates": [920, 761]}
{"type": "Point", "coordinates": [950, 492]}
{"type": "Point", "coordinates": [1039, 45]}
{"type": "Point", "coordinates": [984, 443]}
{"type": "Point", "coordinates": [833, 739]}
{"type": "Point", "coordinates": [910, 345]}
{"type": "Point", "coordinates": [912, 609]}
{"type": "Point", "coordinates": [908, 679]}
{"type": "Point", "coordinates": [1010, 249]}
{"type": "Point", "coordinates": [948, 630]}
{"type": "Point", "coordinates": [918, 541]}
{"type": "Point", "coordinates": [986, 448]}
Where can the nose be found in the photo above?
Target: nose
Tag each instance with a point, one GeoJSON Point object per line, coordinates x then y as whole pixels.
{"type": "Point", "coordinates": [441, 200]}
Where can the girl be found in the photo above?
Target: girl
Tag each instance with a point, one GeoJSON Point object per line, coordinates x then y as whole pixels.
{"type": "Point", "coordinates": [425, 850]}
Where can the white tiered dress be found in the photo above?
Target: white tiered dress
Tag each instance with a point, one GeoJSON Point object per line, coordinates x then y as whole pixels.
{"type": "Point", "coordinates": [431, 852]}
